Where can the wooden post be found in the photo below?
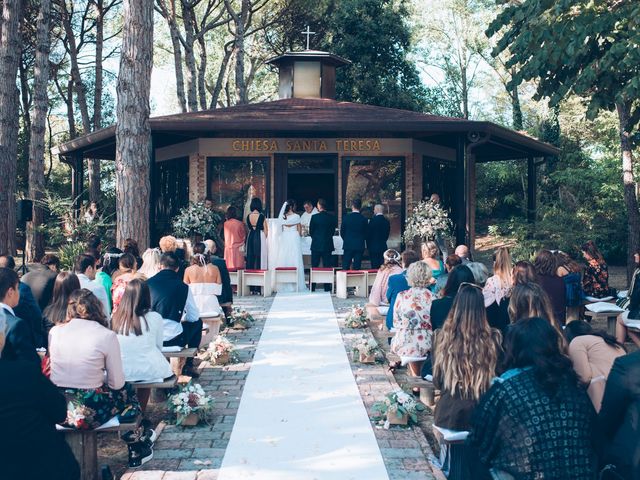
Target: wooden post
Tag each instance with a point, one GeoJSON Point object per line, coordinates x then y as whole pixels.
{"type": "Point", "coordinates": [461, 190]}
{"type": "Point", "coordinates": [531, 190]}
{"type": "Point", "coordinates": [77, 182]}
{"type": "Point", "coordinates": [153, 192]}
{"type": "Point", "coordinates": [84, 445]}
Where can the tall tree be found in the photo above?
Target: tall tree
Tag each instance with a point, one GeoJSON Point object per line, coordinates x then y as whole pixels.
{"type": "Point", "coordinates": [10, 49]}
{"type": "Point", "coordinates": [35, 239]}
{"type": "Point", "coordinates": [585, 48]}
{"type": "Point", "coordinates": [133, 134]}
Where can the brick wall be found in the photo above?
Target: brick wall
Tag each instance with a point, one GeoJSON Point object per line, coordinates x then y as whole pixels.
{"type": "Point", "coordinates": [197, 178]}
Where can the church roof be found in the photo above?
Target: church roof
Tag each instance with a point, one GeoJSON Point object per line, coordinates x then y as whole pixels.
{"type": "Point", "coordinates": [319, 117]}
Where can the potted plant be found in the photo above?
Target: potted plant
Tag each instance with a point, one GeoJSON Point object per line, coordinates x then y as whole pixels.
{"type": "Point", "coordinates": [197, 219]}
{"type": "Point", "coordinates": [398, 408]}
{"type": "Point", "coordinates": [190, 404]}
{"type": "Point", "coordinates": [220, 351]}
{"type": "Point", "coordinates": [241, 319]}
{"type": "Point", "coordinates": [365, 349]}
{"type": "Point", "coordinates": [357, 317]}
{"type": "Point", "coordinates": [427, 221]}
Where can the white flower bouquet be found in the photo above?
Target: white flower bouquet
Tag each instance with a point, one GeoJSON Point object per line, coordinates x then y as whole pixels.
{"type": "Point", "coordinates": [427, 220]}
{"type": "Point", "coordinates": [241, 318]}
{"type": "Point", "coordinates": [398, 408]}
{"type": "Point", "coordinates": [365, 349]}
{"type": "Point", "coordinates": [190, 403]}
{"type": "Point", "coordinates": [220, 351]}
{"type": "Point", "coordinates": [195, 218]}
{"type": "Point", "coordinates": [357, 317]}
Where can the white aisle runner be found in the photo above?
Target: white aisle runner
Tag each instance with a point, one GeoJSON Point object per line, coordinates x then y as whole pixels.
{"type": "Point", "coordinates": [301, 416]}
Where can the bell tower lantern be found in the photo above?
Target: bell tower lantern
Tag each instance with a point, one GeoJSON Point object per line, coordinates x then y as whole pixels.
{"type": "Point", "coordinates": [307, 74]}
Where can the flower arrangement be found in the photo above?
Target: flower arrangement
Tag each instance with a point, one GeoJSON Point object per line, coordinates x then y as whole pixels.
{"type": "Point", "coordinates": [357, 317]}
{"type": "Point", "coordinates": [189, 403]}
{"type": "Point", "coordinates": [398, 408]}
{"type": "Point", "coordinates": [195, 218]}
{"type": "Point", "coordinates": [426, 221]}
{"type": "Point", "coordinates": [220, 351]}
{"type": "Point", "coordinates": [241, 318]}
{"type": "Point", "coordinates": [365, 349]}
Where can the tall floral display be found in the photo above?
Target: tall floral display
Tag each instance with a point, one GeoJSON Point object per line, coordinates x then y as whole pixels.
{"type": "Point", "coordinates": [197, 219]}
{"type": "Point", "coordinates": [427, 221]}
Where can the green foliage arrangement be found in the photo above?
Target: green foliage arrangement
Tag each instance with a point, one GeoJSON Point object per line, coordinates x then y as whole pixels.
{"type": "Point", "coordinates": [195, 218]}
{"type": "Point", "coordinates": [396, 403]}
{"type": "Point", "coordinates": [357, 317]}
{"type": "Point", "coordinates": [69, 252]}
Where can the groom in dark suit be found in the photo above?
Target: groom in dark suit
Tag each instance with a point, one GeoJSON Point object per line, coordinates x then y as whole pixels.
{"type": "Point", "coordinates": [377, 236]}
{"type": "Point", "coordinates": [321, 229]}
{"type": "Point", "coordinates": [354, 233]}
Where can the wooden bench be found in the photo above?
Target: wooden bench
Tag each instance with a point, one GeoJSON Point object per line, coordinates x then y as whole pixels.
{"type": "Point", "coordinates": [610, 317]}
{"type": "Point", "coordinates": [427, 390]}
{"type": "Point", "coordinates": [178, 359]}
{"type": "Point", "coordinates": [165, 384]}
{"type": "Point", "coordinates": [84, 445]}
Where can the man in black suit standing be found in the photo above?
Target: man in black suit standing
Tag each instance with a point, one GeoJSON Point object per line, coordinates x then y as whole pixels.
{"type": "Point", "coordinates": [377, 236]}
{"type": "Point", "coordinates": [354, 233]}
{"type": "Point", "coordinates": [19, 337]}
{"type": "Point", "coordinates": [321, 229]}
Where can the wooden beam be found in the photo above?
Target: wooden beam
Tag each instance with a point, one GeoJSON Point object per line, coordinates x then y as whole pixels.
{"type": "Point", "coordinates": [531, 190]}
{"type": "Point", "coordinates": [77, 181]}
{"type": "Point", "coordinates": [461, 190]}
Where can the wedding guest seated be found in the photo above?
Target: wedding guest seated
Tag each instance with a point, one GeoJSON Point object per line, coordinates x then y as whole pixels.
{"type": "Point", "coordinates": [40, 279]}
{"type": "Point", "coordinates": [378, 305]}
{"type": "Point", "coordinates": [535, 421]}
{"type": "Point", "coordinates": [52, 262]}
{"type": "Point", "coordinates": [140, 334]}
{"type": "Point", "coordinates": [131, 247]}
{"type": "Point", "coordinates": [480, 272]}
{"type": "Point", "coordinates": [30, 407]}
{"type": "Point", "coordinates": [204, 281]}
{"type": "Point", "coordinates": [56, 311]}
{"type": "Point", "coordinates": [546, 266]}
{"type": "Point", "coordinates": [440, 307]}
{"type": "Point", "coordinates": [524, 272]}
{"type": "Point", "coordinates": [411, 319]}
{"type": "Point", "coordinates": [463, 252]}
{"type": "Point", "coordinates": [173, 300]}
{"type": "Point", "coordinates": [127, 268]}
{"type": "Point", "coordinates": [225, 299]}
{"type": "Point", "coordinates": [398, 283]}
{"type": "Point", "coordinates": [27, 307]}
{"type": "Point", "coordinates": [619, 428]}
{"type": "Point", "coordinates": [18, 333]}
{"type": "Point", "coordinates": [449, 264]}
{"type": "Point", "coordinates": [592, 354]}
{"type": "Point", "coordinates": [109, 264]}
{"type": "Point", "coordinates": [95, 242]}
{"type": "Point", "coordinates": [595, 281]}
{"type": "Point", "coordinates": [86, 365]}
{"type": "Point", "coordinates": [169, 244]}
{"type": "Point", "coordinates": [571, 273]}
{"type": "Point", "coordinates": [150, 263]}
{"type": "Point", "coordinates": [431, 256]}
{"type": "Point", "coordinates": [631, 305]}
{"type": "Point", "coordinates": [498, 289]}
{"type": "Point", "coordinates": [85, 269]}
{"type": "Point", "coordinates": [530, 300]}
{"type": "Point", "coordinates": [465, 361]}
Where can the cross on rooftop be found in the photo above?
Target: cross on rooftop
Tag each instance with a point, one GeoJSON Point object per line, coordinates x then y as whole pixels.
{"type": "Point", "coordinates": [308, 33]}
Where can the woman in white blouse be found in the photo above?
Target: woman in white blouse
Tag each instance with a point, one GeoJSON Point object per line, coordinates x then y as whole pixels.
{"type": "Point", "coordinates": [497, 290]}
{"type": "Point", "coordinates": [140, 337]}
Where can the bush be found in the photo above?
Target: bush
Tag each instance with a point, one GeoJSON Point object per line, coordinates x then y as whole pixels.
{"type": "Point", "coordinates": [68, 254]}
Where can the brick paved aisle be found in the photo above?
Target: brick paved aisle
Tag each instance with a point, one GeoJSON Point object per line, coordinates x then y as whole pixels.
{"type": "Point", "coordinates": [195, 453]}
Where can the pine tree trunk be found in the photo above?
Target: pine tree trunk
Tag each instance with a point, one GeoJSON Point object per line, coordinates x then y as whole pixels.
{"type": "Point", "coordinates": [10, 50]}
{"type": "Point", "coordinates": [133, 135]}
{"type": "Point", "coordinates": [628, 181]}
{"type": "Point", "coordinates": [202, 71]}
{"type": "Point", "coordinates": [222, 73]}
{"type": "Point", "coordinates": [35, 240]}
{"type": "Point", "coordinates": [190, 57]}
{"type": "Point", "coordinates": [177, 63]}
{"type": "Point", "coordinates": [516, 108]}
{"type": "Point", "coordinates": [94, 164]}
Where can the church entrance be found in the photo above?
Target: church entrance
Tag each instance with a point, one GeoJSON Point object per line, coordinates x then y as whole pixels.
{"type": "Point", "coordinates": [306, 177]}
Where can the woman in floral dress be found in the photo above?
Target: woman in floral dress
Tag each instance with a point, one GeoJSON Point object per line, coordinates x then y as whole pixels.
{"type": "Point", "coordinates": [595, 281]}
{"type": "Point", "coordinates": [412, 320]}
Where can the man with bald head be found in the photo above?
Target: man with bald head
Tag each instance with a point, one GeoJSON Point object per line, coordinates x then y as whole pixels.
{"type": "Point", "coordinates": [463, 252]}
{"type": "Point", "coordinates": [377, 236]}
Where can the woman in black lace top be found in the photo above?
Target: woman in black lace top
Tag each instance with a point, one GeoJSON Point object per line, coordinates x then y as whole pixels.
{"type": "Point", "coordinates": [535, 422]}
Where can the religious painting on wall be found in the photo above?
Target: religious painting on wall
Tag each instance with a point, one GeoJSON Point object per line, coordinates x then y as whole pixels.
{"type": "Point", "coordinates": [235, 181]}
{"type": "Point", "coordinates": [377, 180]}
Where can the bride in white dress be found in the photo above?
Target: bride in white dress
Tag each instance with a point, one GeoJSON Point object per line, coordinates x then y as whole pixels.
{"type": "Point", "coordinates": [289, 247]}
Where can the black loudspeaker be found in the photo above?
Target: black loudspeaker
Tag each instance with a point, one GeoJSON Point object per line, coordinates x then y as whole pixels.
{"type": "Point", "coordinates": [24, 211]}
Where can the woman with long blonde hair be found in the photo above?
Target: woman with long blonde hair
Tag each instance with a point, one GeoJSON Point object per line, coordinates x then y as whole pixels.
{"type": "Point", "coordinates": [498, 289]}
{"type": "Point", "coordinates": [466, 358]}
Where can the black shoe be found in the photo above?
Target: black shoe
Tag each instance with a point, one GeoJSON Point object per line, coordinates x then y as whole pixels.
{"type": "Point", "coordinates": [140, 453]}
{"type": "Point", "coordinates": [190, 371]}
{"type": "Point", "coordinates": [148, 433]}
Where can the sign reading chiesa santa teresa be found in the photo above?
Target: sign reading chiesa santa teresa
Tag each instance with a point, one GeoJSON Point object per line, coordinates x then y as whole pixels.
{"type": "Point", "coordinates": [305, 145]}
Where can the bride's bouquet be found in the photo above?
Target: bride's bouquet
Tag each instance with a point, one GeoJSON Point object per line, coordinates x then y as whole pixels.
{"type": "Point", "coordinates": [427, 220]}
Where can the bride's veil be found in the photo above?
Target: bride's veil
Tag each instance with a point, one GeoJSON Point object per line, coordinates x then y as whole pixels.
{"type": "Point", "coordinates": [273, 240]}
